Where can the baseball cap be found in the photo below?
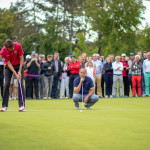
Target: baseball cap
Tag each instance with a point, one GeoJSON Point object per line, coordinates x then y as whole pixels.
{"type": "Point", "coordinates": [33, 53]}
{"type": "Point", "coordinates": [131, 54]}
{"type": "Point", "coordinates": [28, 57]}
{"type": "Point", "coordinates": [123, 55]}
{"type": "Point", "coordinates": [71, 53]}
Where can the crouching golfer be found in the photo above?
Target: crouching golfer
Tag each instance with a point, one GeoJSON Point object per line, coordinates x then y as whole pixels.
{"type": "Point", "coordinates": [88, 90]}
{"type": "Point", "coordinates": [13, 54]}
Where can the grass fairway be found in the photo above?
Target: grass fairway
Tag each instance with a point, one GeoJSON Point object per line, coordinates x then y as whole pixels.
{"type": "Point", "coordinates": [113, 124]}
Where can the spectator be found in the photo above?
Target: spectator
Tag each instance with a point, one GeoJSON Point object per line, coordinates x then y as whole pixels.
{"type": "Point", "coordinates": [49, 71]}
{"type": "Point", "coordinates": [127, 58]}
{"type": "Point", "coordinates": [130, 72]}
{"type": "Point", "coordinates": [26, 73]}
{"type": "Point", "coordinates": [145, 55]}
{"type": "Point", "coordinates": [146, 71]}
{"type": "Point", "coordinates": [84, 58]}
{"type": "Point", "coordinates": [102, 80]}
{"type": "Point", "coordinates": [117, 76]}
{"type": "Point", "coordinates": [70, 54]}
{"type": "Point", "coordinates": [65, 78]}
{"type": "Point", "coordinates": [33, 75]}
{"type": "Point", "coordinates": [142, 75]}
{"type": "Point", "coordinates": [81, 60]}
{"type": "Point", "coordinates": [136, 75]}
{"type": "Point", "coordinates": [108, 76]}
{"type": "Point", "coordinates": [74, 68]}
{"type": "Point", "coordinates": [1, 74]}
{"type": "Point", "coordinates": [41, 76]}
{"type": "Point", "coordinates": [112, 58]}
{"type": "Point", "coordinates": [57, 75]}
{"type": "Point", "coordinates": [99, 67]}
{"type": "Point", "coordinates": [90, 60]}
{"type": "Point", "coordinates": [91, 72]}
{"type": "Point", "coordinates": [125, 75]}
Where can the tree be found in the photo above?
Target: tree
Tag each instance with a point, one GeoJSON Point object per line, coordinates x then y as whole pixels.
{"type": "Point", "coordinates": [115, 21]}
{"type": "Point", "coordinates": [6, 25]}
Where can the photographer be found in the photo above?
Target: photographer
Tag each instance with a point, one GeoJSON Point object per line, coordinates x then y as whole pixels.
{"type": "Point", "coordinates": [33, 75]}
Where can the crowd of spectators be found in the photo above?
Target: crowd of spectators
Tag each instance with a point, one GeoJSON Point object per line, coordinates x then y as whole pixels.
{"type": "Point", "coordinates": [50, 78]}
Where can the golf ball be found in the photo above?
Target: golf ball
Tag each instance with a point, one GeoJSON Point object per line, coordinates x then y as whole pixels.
{"type": "Point", "coordinates": [80, 110]}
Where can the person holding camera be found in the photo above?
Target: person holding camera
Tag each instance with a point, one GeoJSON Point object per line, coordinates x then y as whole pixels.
{"type": "Point", "coordinates": [33, 66]}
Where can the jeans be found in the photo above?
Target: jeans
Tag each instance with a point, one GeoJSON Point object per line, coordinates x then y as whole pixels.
{"type": "Point", "coordinates": [48, 81]}
{"type": "Point", "coordinates": [109, 82]}
{"type": "Point", "coordinates": [65, 85]}
{"type": "Point", "coordinates": [91, 101]}
{"type": "Point", "coordinates": [55, 86]}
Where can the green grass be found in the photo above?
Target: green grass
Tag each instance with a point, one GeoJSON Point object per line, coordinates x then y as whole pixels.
{"type": "Point", "coordinates": [113, 124]}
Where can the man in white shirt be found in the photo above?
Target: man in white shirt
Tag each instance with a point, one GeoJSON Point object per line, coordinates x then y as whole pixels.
{"type": "Point", "coordinates": [146, 71]}
{"type": "Point", "coordinates": [117, 76]}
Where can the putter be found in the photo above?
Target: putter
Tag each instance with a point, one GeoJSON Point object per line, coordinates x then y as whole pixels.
{"type": "Point", "coordinates": [21, 92]}
{"type": "Point", "coordinates": [82, 99]}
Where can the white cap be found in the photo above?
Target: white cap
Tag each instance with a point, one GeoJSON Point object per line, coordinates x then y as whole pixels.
{"type": "Point", "coordinates": [123, 55]}
{"type": "Point", "coordinates": [28, 57]}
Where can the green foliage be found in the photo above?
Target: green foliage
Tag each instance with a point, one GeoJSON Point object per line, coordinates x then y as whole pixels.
{"type": "Point", "coordinates": [6, 25]}
{"type": "Point", "coordinates": [83, 47]}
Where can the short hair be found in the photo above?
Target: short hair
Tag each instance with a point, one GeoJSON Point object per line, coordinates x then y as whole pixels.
{"type": "Point", "coordinates": [56, 52]}
{"type": "Point", "coordinates": [48, 56]}
{"type": "Point", "coordinates": [137, 56]}
{"type": "Point", "coordinates": [117, 56]}
{"type": "Point", "coordinates": [145, 52]}
{"type": "Point", "coordinates": [139, 52]}
{"type": "Point", "coordinates": [9, 43]}
{"type": "Point", "coordinates": [73, 56]}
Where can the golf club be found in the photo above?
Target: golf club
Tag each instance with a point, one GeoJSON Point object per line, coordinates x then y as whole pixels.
{"type": "Point", "coordinates": [82, 99]}
{"type": "Point", "coordinates": [21, 92]}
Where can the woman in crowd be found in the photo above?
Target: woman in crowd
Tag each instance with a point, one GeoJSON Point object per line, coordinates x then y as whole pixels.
{"type": "Point", "coordinates": [81, 60]}
{"type": "Point", "coordinates": [65, 78]}
{"type": "Point", "coordinates": [108, 76]}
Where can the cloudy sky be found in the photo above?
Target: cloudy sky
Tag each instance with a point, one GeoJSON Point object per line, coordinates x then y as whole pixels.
{"type": "Point", "coordinates": [6, 4]}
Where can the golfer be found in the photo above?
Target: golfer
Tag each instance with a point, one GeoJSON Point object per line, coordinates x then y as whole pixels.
{"type": "Point", "coordinates": [88, 90]}
{"type": "Point", "coordinates": [13, 55]}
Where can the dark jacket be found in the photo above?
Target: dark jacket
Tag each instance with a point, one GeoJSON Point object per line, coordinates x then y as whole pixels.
{"type": "Point", "coordinates": [48, 72]}
{"type": "Point", "coordinates": [108, 69]}
{"type": "Point", "coordinates": [68, 72]}
{"type": "Point", "coordinates": [59, 67]}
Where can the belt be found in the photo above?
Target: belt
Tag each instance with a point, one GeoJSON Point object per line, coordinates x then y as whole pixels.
{"type": "Point", "coordinates": [117, 74]}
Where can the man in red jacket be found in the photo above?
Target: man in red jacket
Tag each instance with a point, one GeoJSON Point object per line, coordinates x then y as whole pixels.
{"type": "Point", "coordinates": [74, 68]}
{"type": "Point", "coordinates": [13, 54]}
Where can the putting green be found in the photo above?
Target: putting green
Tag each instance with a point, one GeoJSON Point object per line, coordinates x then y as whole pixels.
{"type": "Point", "coordinates": [113, 124]}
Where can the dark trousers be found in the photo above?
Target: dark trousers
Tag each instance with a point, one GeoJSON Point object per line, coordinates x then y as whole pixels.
{"type": "Point", "coordinates": [130, 81]}
{"type": "Point", "coordinates": [8, 75]}
{"type": "Point", "coordinates": [126, 85]}
{"type": "Point", "coordinates": [1, 84]}
{"type": "Point", "coordinates": [102, 85]}
{"type": "Point", "coordinates": [33, 82]}
{"type": "Point", "coordinates": [109, 83]}
{"type": "Point", "coordinates": [71, 79]}
{"type": "Point", "coordinates": [54, 93]}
